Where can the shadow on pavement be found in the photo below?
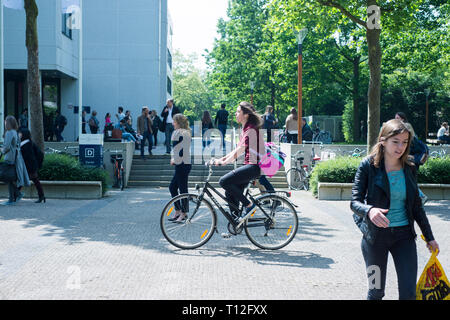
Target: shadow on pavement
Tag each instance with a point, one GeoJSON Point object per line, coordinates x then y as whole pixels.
{"type": "Point", "coordinates": [440, 209]}
{"type": "Point", "coordinates": [131, 218]}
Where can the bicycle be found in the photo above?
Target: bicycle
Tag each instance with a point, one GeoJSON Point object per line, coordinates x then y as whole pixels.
{"type": "Point", "coordinates": [441, 154]}
{"type": "Point", "coordinates": [119, 171]}
{"type": "Point", "coordinates": [298, 176]}
{"type": "Point", "coordinates": [272, 225]}
{"type": "Point", "coordinates": [357, 153]}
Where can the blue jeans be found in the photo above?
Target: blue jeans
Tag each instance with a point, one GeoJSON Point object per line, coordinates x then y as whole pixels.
{"type": "Point", "coordinates": [444, 138]}
{"type": "Point", "coordinates": [263, 180]}
{"type": "Point", "coordinates": [146, 136]}
{"type": "Point", "coordinates": [128, 136]}
{"type": "Point", "coordinates": [169, 131]}
{"type": "Point", "coordinates": [400, 242]}
{"type": "Point", "coordinates": [223, 130]}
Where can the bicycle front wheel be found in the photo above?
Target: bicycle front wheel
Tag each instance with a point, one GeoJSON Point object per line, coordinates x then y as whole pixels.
{"type": "Point", "coordinates": [274, 225]}
{"type": "Point", "coordinates": [296, 179]}
{"type": "Point", "coordinates": [196, 229]}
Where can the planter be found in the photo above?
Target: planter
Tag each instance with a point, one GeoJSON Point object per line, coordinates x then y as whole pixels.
{"type": "Point", "coordinates": [61, 190]}
{"type": "Point", "coordinates": [343, 191]}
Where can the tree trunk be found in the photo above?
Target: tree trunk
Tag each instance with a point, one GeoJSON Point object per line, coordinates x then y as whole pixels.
{"type": "Point", "coordinates": [356, 125]}
{"type": "Point", "coordinates": [373, 106]}
{"type": "Point", "coordinates": [33, 78]}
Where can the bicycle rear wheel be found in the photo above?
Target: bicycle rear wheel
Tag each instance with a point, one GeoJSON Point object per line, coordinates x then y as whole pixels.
{"type": "Point", "coordinates": [296, 179]}
{"type": "Point", "coordinates": [196, 229]}
{"type": "Point", "coordinates": [277, 227]}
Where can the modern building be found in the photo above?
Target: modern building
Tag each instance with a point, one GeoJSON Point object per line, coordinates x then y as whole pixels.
{"type": "Point", "coordinates": [126, 59]}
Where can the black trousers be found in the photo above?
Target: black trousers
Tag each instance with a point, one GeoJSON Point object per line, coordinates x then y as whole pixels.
{"type": "Point", "coordinates": [180, 183]}
{"type": "Point", "coordinates": [400, 242]}
{"type": "Point", "coordinates": [235, 182]}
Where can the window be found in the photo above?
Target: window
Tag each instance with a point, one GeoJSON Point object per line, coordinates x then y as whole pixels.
{"type": "Point", "coordinates": [169, 59]}
{"type": "Point", "coordinates": [66, 22]}
{"type": "Point", "coordinates": [169, 86]}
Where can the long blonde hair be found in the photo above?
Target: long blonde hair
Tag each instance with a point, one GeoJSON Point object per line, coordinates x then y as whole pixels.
{"type": "Point", "coordinates": [390, 129]}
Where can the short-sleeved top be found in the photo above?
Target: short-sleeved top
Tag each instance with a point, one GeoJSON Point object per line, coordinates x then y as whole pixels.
{"type": "Point", "coordinates": [251, 137]}
{"type": "Point", "coordinates": [397, 210]}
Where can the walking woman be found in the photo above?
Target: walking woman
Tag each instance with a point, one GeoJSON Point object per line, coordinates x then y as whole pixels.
{"type": "Point", "coordinates": [33, 158]}
{"type": "Point", "coordinates": [386, 202]}
{"type": "Point", "coordinates": [251, 144]}
{"type": "Point", "coordinates": [181, 159]}
{"type": "Point", "coordinates": [207, 124]}
{"type": "Point", "coordinates": [11, 148]}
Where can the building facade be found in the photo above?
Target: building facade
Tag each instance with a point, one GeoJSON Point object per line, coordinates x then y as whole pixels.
{"type": "Point", "coordinates": [126, 60]}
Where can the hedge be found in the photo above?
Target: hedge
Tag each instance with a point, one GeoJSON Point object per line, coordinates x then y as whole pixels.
{"type": "Point", "coordinates": [343, 170]}
{"type": "Point", "coordinates": [60, 167]}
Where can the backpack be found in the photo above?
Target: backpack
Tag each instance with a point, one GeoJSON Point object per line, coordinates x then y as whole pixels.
{"type": "Point", "coordinates": [272, 161]}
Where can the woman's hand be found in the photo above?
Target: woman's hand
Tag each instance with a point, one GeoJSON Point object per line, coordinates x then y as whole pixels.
{"type": "Point", "coordinates": [218, 162]}
{"type": "Point", "coordinates": [172, 162]}
{"type": "Point", "coordinates": [378, 217]}
{"type": "Point", "coordinates": [433, 246]}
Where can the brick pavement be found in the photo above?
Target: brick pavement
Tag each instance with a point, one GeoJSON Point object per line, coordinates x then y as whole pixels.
{"type": "Point", "coordinates": [113, 249]}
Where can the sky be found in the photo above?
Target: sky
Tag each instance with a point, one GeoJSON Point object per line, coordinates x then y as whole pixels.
{"type": "Point", "coordinates": [195, 25]}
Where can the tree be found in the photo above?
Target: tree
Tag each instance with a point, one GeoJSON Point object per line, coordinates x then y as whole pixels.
{"type": "Point", "coordinates": [33, 78]}
{"type": "Point", "coordinates": [189, 88]}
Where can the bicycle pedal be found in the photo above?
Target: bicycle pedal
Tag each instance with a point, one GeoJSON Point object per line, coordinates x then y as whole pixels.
{"type": "Point", "coordinates": [226, 235]}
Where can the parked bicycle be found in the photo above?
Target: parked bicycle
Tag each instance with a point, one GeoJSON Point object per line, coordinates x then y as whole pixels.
{"type": "Point", "coordinates": [116, 159]}
{"type": "Point", "coordinates": [272, 225]}
{"type": "Point", "coordinates": [298, 176]}
{"type": "Point", "coordinates": [66, 151]}
{"type": "Point", "coordinates": [440, 154]}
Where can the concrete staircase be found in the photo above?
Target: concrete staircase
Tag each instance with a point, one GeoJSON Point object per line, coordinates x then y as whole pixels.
{"type": "Point", "coordinates": [156, 171]}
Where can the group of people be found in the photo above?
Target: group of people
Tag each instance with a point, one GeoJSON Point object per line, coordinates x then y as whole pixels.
{"type": "Point", "coordinates": [385, 201]}
{"type": "Point", "coordinates": [24, 156]}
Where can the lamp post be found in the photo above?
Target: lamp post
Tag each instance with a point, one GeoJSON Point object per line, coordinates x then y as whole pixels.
{"type": "Point", "coordinates": [300, 37]}
{"type": "Point", "coordinates": [252, 86]}
{"type": "Point", "coordinates": [427, 93]}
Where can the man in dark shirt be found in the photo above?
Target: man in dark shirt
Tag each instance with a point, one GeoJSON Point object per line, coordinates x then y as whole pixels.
{"type": "Point", "coordinates": [221, 122]}
{"type": "Point", "coordinates": [307, 134]}
{"type": "Point", "coordinates": [167, 114]}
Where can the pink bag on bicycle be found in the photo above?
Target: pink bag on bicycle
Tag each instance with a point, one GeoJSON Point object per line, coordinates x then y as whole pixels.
{"type": "Point", "coordinates": [272, 161]}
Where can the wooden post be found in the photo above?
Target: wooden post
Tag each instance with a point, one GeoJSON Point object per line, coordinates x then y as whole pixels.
{"type": "Point", "coordinates": [299, 121]}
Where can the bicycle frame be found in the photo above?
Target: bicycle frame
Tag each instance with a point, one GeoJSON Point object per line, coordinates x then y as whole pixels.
{"type": "Point", "coordinates": [206, 190]}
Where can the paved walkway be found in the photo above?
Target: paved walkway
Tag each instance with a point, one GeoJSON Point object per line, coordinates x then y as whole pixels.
{"type": "Point", "coordinates": [113, 249]}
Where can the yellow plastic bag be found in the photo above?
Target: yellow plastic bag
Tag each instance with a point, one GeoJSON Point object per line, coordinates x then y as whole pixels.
{"type": "Point", "coordinates": [433, 284]}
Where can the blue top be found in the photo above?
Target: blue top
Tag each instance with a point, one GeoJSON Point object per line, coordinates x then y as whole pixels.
{"type": "Point", "coordinates": [397, 212]}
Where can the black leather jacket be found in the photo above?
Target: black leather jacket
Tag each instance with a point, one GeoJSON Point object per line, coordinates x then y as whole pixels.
{"type": "Point", "coordinates": [371, 189]}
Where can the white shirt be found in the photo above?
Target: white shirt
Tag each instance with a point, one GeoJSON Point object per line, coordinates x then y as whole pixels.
{"type": "Point", "coordinates": [441, 132]}
{"type": "Point", "coordinates": [169, 116]}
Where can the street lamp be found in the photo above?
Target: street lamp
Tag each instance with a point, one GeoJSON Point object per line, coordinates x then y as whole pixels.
{"type": "Point", "coordinates": [300, 37]}
{"type": "Point", "coordinates": [427, 93]}
{"type": "Point", "coordinates": [252, 86]}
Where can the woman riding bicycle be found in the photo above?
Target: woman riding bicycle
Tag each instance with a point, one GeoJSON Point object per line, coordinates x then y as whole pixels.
{"type": "Point", "coordinates": [251, 144]}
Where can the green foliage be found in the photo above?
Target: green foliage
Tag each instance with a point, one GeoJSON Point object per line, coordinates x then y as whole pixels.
{"type": "Point", "coordinates": [190, 89]}
{"type": "Point", "coordinates": [341, 169]}
{"type": "Point", "coordinates": [435, 171]}
{"type": "Point", "coordinates": [59, 167]}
